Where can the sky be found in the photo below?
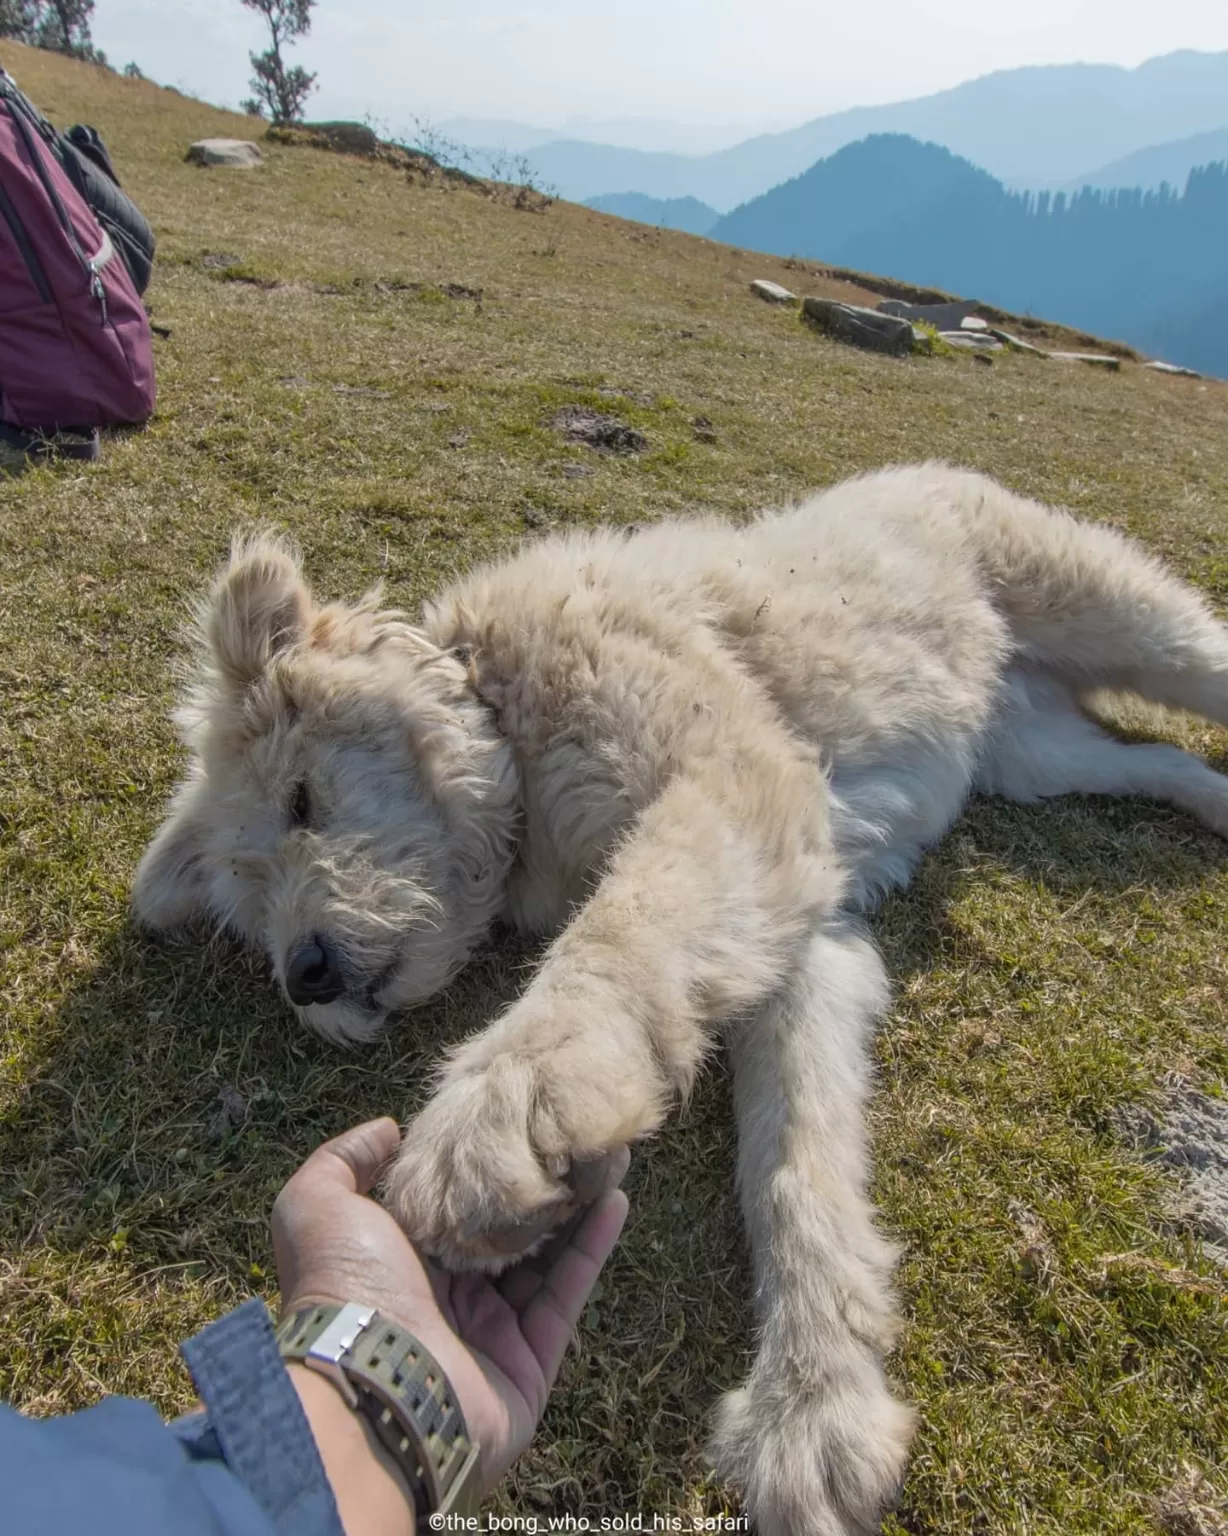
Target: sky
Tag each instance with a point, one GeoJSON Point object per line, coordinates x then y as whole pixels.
{"type": "Point", "coordinates": [746, 65]}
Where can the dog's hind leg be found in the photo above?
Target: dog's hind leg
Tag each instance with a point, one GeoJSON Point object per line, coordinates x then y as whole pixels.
{"type": "Point", "coordinates": [1042, 744]}
{"type": "Point", "coordinates": [1094, 608]}
{"type": "Point", "coordinates": [814, 1440]}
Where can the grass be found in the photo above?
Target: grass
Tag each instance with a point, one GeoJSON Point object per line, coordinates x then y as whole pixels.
{"type": "Point", "coordinates": [1050, 964]}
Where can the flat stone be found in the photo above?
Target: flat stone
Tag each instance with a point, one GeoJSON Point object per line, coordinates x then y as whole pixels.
{"type": "Point", "coordinates": [943, 317]}
{"type": "Point", "coordinates": [971, 341]}
{"type": "Point", "coordinates": [773, 293]}
{"type": "Point", "coordinates": [1094, 359]}
{"type": "Point", "coordinates": [1173, 370]}
{"type": "Point", "coordinates": [240, 153]}
{"type": "Point", "coordinates": [860, 327]}
{"type": "Point", "coordinates": [973, 323]}
{"type": "Point", "coordinates": [1017, 345]}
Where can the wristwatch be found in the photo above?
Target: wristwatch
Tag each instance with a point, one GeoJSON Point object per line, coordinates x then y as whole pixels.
{"type": "Point", "coordinates": [390, 1377]}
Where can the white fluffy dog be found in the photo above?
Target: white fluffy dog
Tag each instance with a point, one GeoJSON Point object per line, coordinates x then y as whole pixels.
{"type": "Point", "coordinates": [694, 754]}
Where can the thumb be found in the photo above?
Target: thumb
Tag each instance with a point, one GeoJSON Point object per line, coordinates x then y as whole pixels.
{"type": "Point", "coordinates": [354, 1160]}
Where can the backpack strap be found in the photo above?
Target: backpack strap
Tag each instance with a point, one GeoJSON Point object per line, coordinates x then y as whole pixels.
{"type": "Point", "coordinates": [88, 142]}
{"type": "Point", "coordinates": [65, 443]}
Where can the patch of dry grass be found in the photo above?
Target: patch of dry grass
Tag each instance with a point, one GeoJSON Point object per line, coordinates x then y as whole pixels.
{"type": "Point", "coordinates": [1049, 963]}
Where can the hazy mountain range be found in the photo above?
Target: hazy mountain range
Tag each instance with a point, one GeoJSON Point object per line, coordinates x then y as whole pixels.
{"type": "Point", "coordinates": [655, 135]}
{"type": "Point", "coordinates": [1035, 127]}
{"type": "Point", "coordinates": [1144, 267]}
{"type": "Point", "coordinates": [685, 213]}
{"type": "Point", "coordinates": [1171, 163]}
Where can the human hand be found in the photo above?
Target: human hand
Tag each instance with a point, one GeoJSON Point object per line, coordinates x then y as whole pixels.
{"type": "Point", "coordinates": [500, 1341]}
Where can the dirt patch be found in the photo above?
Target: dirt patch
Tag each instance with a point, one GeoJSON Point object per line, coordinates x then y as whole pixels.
{"type": "Point", "coordinates": [1189, 1508]}
{"type": "Point", "coordinates": [579, 424]}
{"type": "Point", "coordinates": [1189, 1134]}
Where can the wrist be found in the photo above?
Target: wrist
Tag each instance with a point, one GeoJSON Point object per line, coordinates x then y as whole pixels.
{"type": "Point", "coordinates": [372, 1496]}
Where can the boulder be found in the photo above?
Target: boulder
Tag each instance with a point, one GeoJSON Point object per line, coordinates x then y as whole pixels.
{"type": "Point", "coordinates": [1174, 370]}
{"type": "Point", "coordinates": [1015, 344]}
{"type": "Point", "coordinates": [943, 317]}
{"type": "Point", "coordinates": [1094, 359]}
{"type": "Point", "coordinates": [973, 323]}
{"type": "Point", "coordinates": [240, 153]}
{"type": "Point", "coordinates": [867, 328]}
{"type": "Point", "coordinates": [971, 341]}
{"type": "Point", "coordinates": [773, 293]}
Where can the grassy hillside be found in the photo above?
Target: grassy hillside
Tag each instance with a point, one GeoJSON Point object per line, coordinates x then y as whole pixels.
{"type": "Point", "coordinates": [1050, 964]}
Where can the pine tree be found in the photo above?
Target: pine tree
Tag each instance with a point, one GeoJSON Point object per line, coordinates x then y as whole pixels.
{"type": "Point", "coordinates": [278, 90]}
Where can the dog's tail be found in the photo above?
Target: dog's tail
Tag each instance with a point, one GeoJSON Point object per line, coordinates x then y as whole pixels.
{"type": "Point", "coordinates": [1087, 604]}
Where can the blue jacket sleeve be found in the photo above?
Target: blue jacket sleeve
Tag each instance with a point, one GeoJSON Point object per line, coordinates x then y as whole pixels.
{"type": "Point", "coordinates": [246, 1466]}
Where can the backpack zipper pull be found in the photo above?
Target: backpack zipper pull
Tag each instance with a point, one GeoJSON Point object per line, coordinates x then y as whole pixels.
{"type": "Point", "coordinates": [97, 289]}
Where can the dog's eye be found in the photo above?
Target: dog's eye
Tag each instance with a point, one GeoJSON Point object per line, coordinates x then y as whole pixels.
{"type": "Point", "coordinates": [300, 805]}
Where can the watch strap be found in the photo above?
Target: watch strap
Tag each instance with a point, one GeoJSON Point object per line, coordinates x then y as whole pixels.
{"type": "Point", "coordinates": [394, 1380]}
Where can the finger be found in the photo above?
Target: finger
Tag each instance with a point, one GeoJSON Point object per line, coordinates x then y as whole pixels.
{"type": "Point", "coordinates": [600, 1175]}
{"type": "Point", "coordinates": [353, 1161]}
{"type": "Point", "coordinates": [554, 1308]}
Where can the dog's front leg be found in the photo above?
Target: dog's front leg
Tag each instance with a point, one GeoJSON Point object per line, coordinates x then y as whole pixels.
{"type": "Point", "coordinates": [815, 1441]}
{"type": "Point", "coordinates": [698, 916]}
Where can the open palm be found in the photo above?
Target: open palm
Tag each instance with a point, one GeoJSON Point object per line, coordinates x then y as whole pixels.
{"type": "Point", "coordinates": [501, 1341]}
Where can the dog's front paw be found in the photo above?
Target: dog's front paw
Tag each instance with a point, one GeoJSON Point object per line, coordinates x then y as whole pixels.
{"type": "Point", "coordinates": [489, 1168]}
{"type": "Point", "coordinates": [812, 1459]}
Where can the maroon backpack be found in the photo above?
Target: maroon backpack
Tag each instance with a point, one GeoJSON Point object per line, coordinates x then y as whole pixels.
{"type": "Point", "coordinates": [75, 346]}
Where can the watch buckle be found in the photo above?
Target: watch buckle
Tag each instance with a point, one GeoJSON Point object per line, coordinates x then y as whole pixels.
{"type": "Point", "coordinates": [326, 1353]}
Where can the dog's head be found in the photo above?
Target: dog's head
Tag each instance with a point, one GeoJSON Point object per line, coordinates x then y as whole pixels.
{"type": "Point", "coordinates": [349, 807]}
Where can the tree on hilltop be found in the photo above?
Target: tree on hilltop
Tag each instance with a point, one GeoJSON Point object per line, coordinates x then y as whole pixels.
{"type": "Point", "coordinates": [279, 91]}
{"type": "Point", "coordinates": [61, 26]}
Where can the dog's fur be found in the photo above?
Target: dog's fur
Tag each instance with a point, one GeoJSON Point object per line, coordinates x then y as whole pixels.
{"type": "Point", "coordinates": [695, 754]}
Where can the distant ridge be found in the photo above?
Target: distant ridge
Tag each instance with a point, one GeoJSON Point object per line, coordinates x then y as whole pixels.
{"type": "Point", "coordinates": [1041, 126]}
{"type": "Point", "coordinates": [685, 213]}
{"type": "Point", "coordinates": [1150, 168]}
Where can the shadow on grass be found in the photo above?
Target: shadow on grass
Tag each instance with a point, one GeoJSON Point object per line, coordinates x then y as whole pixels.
{"type": "Point", "coordinates": [175, 1094]}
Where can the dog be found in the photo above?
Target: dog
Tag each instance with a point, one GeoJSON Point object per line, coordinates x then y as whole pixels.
{"type": "Point", "coordinates": [695, 756]}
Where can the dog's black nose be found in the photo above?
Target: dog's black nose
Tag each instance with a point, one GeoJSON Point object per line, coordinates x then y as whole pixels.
{"type": "Point", "coordinates": [313, 975]}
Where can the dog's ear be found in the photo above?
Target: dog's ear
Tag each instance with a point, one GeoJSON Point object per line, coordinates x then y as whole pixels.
{"type": "Point", "coordinates": [258, 607]}
{"type": "Point", "coordinates": [170, 889]}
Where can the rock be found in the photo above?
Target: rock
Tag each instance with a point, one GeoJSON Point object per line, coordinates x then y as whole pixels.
{"type": "Point", "coordinates": [973, 323]}
{"type": "Point", "coordinates": [861, 327]}
{"type": "Point", "coordinates": [1015, 344]}
{"type": "Point", "coordinates": [1173, 370]}
{"type": "Point", "coordinates": [240, 153]}
{"type": "Point", "coordinates": [943, 317]}
{"type": "Point", "coordinates": [971, 341]}
{"type": "Point", "coordinates": [772, 292]}
{"type": "Point", "coordinates": [581, 425]}
{"type": "Point", "coordinates": [703, 429]}
{"type": "Point", "coordinates": [1095, 359]}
